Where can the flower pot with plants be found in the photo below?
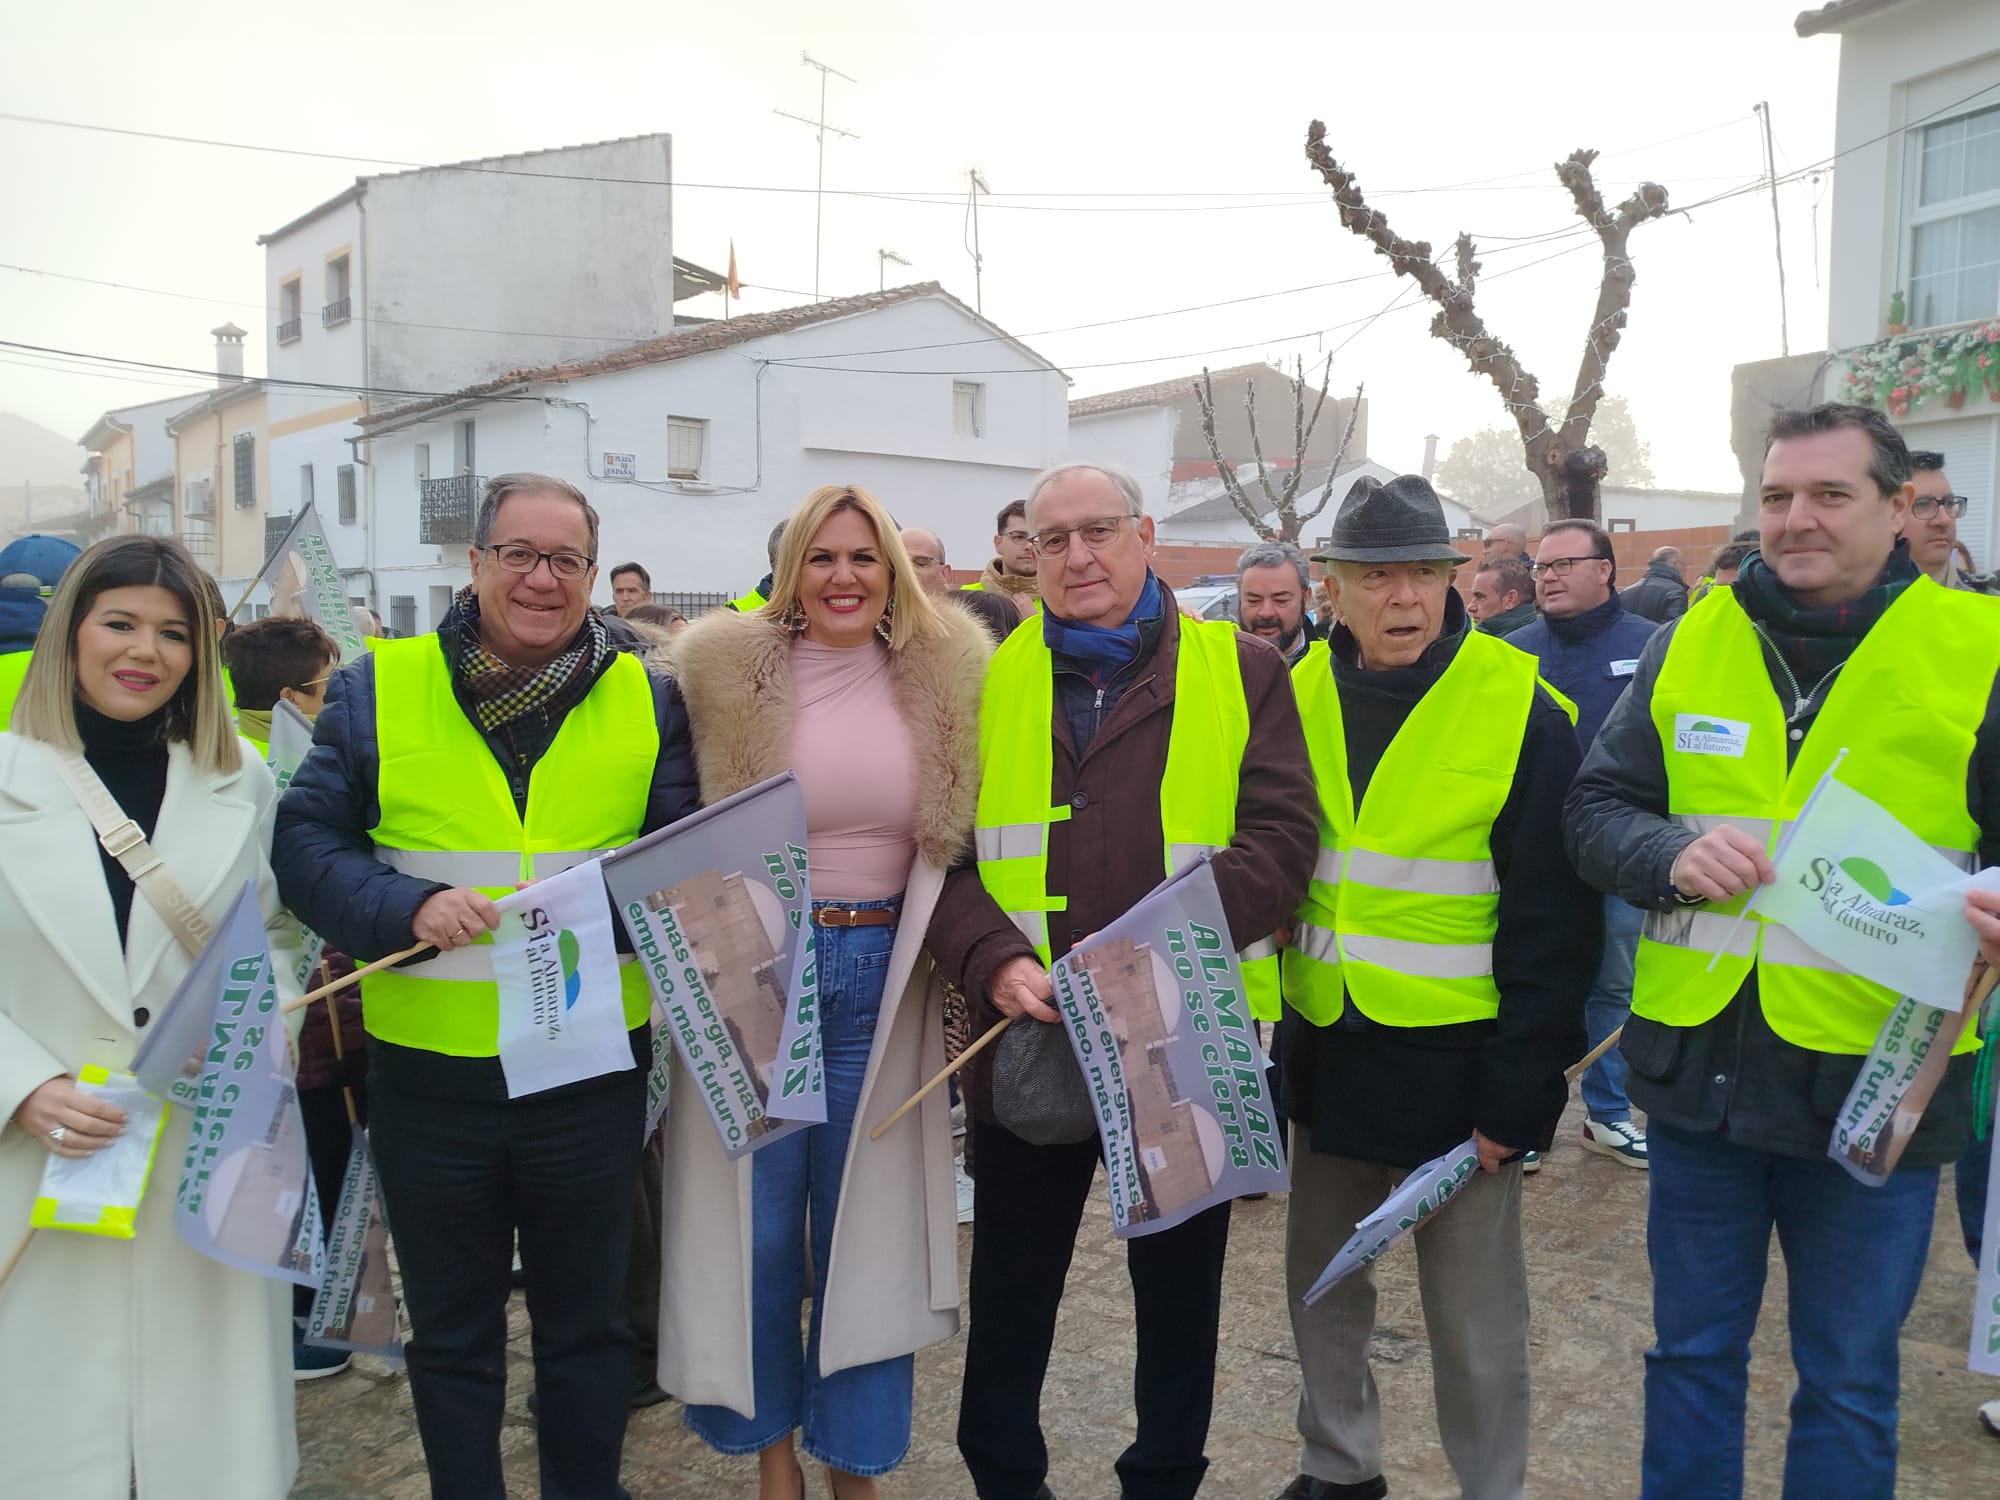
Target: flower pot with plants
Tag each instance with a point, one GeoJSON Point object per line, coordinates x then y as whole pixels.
{"type": "Point", "coordinates": [1896, 323]}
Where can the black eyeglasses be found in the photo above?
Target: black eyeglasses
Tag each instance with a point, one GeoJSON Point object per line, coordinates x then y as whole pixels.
{"type": "Point", "coordinates": [518, 557]}
{"type": "Point", "coordinates": [1560, 566]}
{"type": "Point", "coordinates": [1925, 506]}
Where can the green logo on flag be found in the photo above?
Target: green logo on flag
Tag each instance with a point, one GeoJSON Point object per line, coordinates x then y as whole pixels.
{"type": "Point", "coordinates": [1873, 879]}
{"type": "Point", "coordinates": [570, 955]}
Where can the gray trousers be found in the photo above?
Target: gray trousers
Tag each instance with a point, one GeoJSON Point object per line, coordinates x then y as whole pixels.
{"type": "Point", "coordinates": [1474, 1285]}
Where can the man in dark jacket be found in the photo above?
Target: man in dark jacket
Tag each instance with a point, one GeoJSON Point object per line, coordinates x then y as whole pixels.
{"type": "Point", "coordinates": [1502, 597]}
{"type": "Point", "coordinates": [1116, 676]}
{"type": "Point", "coordinates": [1743, 1042]}
{"type": "Point", "coordinates": [1661, 594]}
{"type": "Point", "coordinates": [1434, 983]}
{"type": "Point", "coordinates": [1588, 646]}
{"type": "Point", "coordinates": [29, 568]}
{"type": "Point", "coordinates": [510, 745]}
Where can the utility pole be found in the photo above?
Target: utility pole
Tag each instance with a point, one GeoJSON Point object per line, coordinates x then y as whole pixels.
{"type": "Point", "coordinates": [975, 186]}
{"type": "Point", "coordinates": [821, 128]}
{"type": "Point", "coordinates": [1763, 112]}
{"type": "Point", "coordinates": [883, 258]}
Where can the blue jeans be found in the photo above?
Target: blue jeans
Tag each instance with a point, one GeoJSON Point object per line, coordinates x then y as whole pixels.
{"type": "Point", "coordinates": [1608, 1008]}
{"type": "Point", "coordinates": [1969, 1183]}
{"type": "Point", "coordinates": [1853, 1255]}
{"type": "Point", "coordinates": [856, 1419]}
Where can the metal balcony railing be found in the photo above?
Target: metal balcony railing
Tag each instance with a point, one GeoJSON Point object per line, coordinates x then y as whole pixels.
{"type": "Point", "coordinates": [288, 331]}
{"type": "Point", "coordinates": [336, 312]}
{"type": "Point", "coordinates": [445, 508]}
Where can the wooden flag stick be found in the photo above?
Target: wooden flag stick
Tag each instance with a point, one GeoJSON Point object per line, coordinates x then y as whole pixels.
{"type": "Point", "coordinates": [340, 984]}
{"type": "Point", "coordinates": [14, 1259]}
{"type": "Point", "coordinates": [960, 1061]}
{"type": "Point", "coordinates": [1571, 1074]}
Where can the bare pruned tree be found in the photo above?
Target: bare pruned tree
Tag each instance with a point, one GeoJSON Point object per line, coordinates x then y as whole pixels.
{"type": "Point", "coordinates": [1278, 510]}
{"type": "Point", "coordinates": [1560, 456]}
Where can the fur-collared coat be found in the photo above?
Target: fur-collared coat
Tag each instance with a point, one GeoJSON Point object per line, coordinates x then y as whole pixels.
{"type": "Point", "coordinates": [892, 1280]}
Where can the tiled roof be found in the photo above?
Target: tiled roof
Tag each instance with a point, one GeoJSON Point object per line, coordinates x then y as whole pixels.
{"type": "Point", "coordinates": [1837, 15]}
{"type": "Point", "coordinates": [703, 338]}
{"type": "Point", "coordinates": [1164, 392]}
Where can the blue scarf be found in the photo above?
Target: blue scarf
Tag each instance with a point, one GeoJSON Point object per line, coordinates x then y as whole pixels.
{"type": "Point", "coordinates": [1102, 647]}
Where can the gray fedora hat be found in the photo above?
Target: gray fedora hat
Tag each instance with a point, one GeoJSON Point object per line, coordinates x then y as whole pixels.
{"type": "Point", "coordinates": [1400, 521]}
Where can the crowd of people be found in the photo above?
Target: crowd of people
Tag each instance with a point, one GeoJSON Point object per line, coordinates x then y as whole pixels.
{"type": "Point", "coordinates": [1458, 838]}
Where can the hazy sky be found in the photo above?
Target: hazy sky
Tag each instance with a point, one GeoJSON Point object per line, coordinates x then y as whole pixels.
{"type": "Point", "coordinates": [1452, 112]}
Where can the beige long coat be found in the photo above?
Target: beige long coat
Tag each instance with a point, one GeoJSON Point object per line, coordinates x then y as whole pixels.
{"type": "Point", "coordinates": [122, 1358]}
{"type": "Point", "coordinates": [892, 1280]}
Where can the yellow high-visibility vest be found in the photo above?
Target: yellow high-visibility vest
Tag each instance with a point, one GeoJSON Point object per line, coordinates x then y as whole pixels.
{"type": "Point", "coordinates": [1211, 727]}
{"type": "Point", "coordinates": [449, 815]}
{"type": "Point", "coordinates": [1404, 901]}
{"type": "Point", "coordinates": [747, 602]}
{"type": "Point", "coordinates": [13, 667]}
{"type": "Point", "coordinates": [1905, 707]}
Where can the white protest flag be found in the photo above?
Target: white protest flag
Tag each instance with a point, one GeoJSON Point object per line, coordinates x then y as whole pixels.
{"type": "Point", "coordinates": [291, 738]}
{"type": "Point", "coordinates": [1419, 1196]}
{"type": "Point", "coordinates": [1858, 887]}
{"type": "Point", "coordinates": [1985, 1350]}
{"type": "Point", "coordinates": [355, 1306]}
{"type": "Point", "coordinates": [305, 580]}
{"type": "Point", "coordinates": [555, 959]}
{"type": "Point", "coordinates": [717, 907]}
{"type": "Point", "coordinates": [1155, 1012]}
{"type": "Point", "coordinates": [245, 1195]}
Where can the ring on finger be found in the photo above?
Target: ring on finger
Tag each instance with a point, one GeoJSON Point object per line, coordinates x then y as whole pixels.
{"type": "Point", "coordinates": [57, 1133]}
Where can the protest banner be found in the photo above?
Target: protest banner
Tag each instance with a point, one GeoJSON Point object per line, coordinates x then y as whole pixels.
{"type": "Point", "coordinates": [717, 907]}
{"type": "Point", "coordinates": [284, 752]}
{"type": "Point", "coordinates": [1153, 1006]}
{"type": "Point", "coordinates": [245, 1195]}
{"type": "Point", "coordinates": [1984, 1353]}
{"type": "Point", "coordinates": [1856, 886]}
{"type": "Point", "coordinates": [555, 960]}
{"type": "Point", "coordinates": [659, 1076]}
{"type": "Point", "coordinates": [354, 1307]}
{"type": "Point", "coordinates": [1419, 1196]}
{"type": "Point", "coordinates": [1887, 1100]}
{"type": "Point", "coordinates": [304, 580]}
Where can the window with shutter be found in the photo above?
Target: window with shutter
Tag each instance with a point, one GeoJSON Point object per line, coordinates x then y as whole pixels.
{"type": "Point", "coordinates": [968, 408]}
{"type": "Point", "coordinates": [245, 476]}
{"type": "Point", "coordinates": [686, 438]}
{"type": "Point", "coordinates": [343, 478]}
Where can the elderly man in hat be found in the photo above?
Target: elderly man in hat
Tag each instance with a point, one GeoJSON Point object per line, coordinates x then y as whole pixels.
{"type": "Point", "coordinates": [1434, 986]}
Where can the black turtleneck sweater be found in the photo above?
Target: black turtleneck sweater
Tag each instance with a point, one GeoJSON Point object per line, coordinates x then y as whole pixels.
{"type": "Point", "coordinates": [130, 758]}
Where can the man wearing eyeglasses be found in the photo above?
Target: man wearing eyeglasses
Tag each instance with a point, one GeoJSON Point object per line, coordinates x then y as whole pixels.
{"type": "Point", "coordinates": [513, 743]}
{"type": "Point", "coordinates": [1013, 572]}
{"type": "Point", "coordinates": [1931, 527]}
{"type": "Point", "coordinates": [1588, 645]}
{"type": "Point", "coordinates": [1086, 714]}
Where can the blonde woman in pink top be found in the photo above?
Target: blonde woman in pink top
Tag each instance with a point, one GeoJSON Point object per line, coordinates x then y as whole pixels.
{"type": "Point", "coordinates": [868, 689]}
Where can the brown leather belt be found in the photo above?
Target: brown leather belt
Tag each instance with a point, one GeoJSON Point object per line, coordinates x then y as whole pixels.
{"type": "Point", "coordinates": [854, 916]}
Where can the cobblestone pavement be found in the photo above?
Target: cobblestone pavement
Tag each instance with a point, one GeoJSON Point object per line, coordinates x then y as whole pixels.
{"type": "Point", "coordinates": [1585, 1231]}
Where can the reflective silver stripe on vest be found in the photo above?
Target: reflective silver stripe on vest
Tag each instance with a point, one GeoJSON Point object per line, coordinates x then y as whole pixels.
{"type": "Point", "coordinates": [1010, 840]}
{"type": "Point", "coordinates": [456, 867]}
{"type": "Point", "coordinates": [1783, 946]}
{"type": "Point", "coordinates": [1268, 948]}
{"type": "Point", "coordinates": [1705, 931]}
{"type": "Point", "coordinates": [473, 963]}
{"type": "Point", "coordinates": [1034, 926]}
{"type": "Point", "coordinates": [1429, 877]}
{"type": "Point", "coordinates": [1422, 960]}
{"type": "Point", "coordinates": [1326, 867]}
{"type": "Point", "coordinates": [1180, 856]}
{"type": "Point", "coordinates": [1318, 943]}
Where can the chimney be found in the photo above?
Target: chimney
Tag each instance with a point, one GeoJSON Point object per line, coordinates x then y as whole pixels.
{"type": "Point", "coordinates": [229, 353]}
{"type": "Point", "coordinates": [1430, 455]}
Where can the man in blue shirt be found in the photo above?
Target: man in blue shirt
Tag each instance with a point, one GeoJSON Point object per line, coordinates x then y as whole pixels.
{"type": "Point", "coordinates": [1588, 644]}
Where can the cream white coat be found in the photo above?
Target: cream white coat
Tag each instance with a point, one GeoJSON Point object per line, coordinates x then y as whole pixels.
{"type": "Point", "coordinates": [125, 1358]}
{"type": "Point", "coordinates": [892, 1280]}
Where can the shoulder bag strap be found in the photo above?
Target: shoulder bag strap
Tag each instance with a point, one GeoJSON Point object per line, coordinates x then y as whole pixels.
{"type": "Point", "coordinates": [125, 842]}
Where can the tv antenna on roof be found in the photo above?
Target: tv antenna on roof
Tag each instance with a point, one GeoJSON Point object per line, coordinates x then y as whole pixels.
{"type": "Point", "coordinates": [821, 127]}
{"type": "Point", "coordinates": [975, 186]}
{"type": "Point", "coordinates": [883, 260]}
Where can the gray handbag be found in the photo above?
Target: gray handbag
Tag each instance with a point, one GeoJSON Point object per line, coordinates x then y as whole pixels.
{"type": "Point", "coordinates": [1038, 1090]}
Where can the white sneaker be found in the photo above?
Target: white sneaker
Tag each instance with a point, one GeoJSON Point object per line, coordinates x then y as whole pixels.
{"type": "Point", "coordinates": [1620, 1140]}
{"type": "Point", "coordinates": [1989, 1417]}
{"type": "Point", "coordinates": [964, 1190]}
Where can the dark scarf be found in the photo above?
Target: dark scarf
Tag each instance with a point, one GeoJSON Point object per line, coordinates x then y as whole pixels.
{"type": "Point", "coordinates": [501, 693]}
{"type": "Point", "coordinates": [1814, 642]}
{"type": "Point", "coordinates": [1102, 649]}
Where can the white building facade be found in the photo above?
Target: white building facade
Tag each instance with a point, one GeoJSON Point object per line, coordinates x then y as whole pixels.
{"type": "Point", "coordinates": [692, 446]}
{"type": "Point", "coordinates": [1916, 232]}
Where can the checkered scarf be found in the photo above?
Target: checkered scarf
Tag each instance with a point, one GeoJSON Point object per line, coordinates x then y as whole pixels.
{"type": "Point", "coordinates": [501, 693]}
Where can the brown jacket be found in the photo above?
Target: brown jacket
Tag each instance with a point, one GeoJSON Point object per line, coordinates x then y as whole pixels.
{"type": "Point", "coordinates": [1110, 851]}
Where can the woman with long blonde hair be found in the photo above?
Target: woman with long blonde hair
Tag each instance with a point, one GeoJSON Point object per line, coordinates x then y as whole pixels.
{"type": "Point", "coordinates": [96, 1398]}
{"type": "Point", "coordinates": [867, 689]}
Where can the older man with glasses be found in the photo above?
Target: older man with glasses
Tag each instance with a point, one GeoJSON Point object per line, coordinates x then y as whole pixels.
{"type": "Point", "coordinates": [510, 745]}
{"type": "Point", "coordinates": [1085, 715]}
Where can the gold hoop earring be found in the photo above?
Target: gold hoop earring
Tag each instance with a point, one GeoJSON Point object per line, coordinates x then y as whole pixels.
{"type": "Point", "coordinates": [794, 617]}
{"type": "Point", "coordinates": [886, 626]}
